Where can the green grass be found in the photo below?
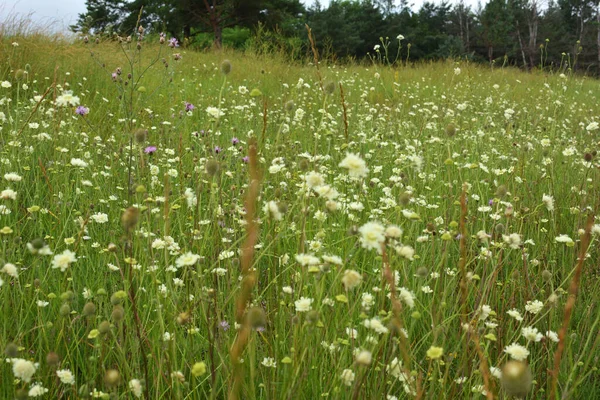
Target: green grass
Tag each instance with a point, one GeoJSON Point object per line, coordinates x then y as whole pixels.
{"type": "Point", "coordinates": [429, 135]}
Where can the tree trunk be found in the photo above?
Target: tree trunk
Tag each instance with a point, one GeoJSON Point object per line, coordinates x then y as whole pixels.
{"type": "Point", "coordinates": [532, 22]}
{"type": "Point", "coordinates": [218, 35]}
{"type": "Point", "coordinates": [598, 37]}
{"type": "Point", "coordinates": [521, 46]}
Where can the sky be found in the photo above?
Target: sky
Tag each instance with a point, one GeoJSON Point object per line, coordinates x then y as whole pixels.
{"type": "Point", "coordinates": [59, 14]}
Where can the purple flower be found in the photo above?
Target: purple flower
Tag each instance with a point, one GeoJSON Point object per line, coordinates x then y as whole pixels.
{"type": "Point", "coordinates": [173, 42]}
{"type": "Point", "coordinates": [235, 141]}
{"type": "Point", "coordinates": [189, 106]}
{"type": "Point", "coordinates": [150, 149]}
{"type": "Point", "coordinates": [224, 325]}
{"type": "Point", "coordinates": [114, 76]}
{"type": "Point", "coordinates": [217, 149]}
{"type": "Point", "coordinates": [246, 159]}
{"type": "Point", "coordinates": [491, 202]}
{"type": "Point", "coordinates": [81, 110]}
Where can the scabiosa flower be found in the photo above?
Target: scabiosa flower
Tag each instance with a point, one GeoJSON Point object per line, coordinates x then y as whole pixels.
{"type": "Point", "coordinates": [224, 325]}
{"type": "Point", "coordinates": [37, 390]}
{"type": "Point", "coordinates": [269, 362]}
{"type": "Point", "coordinates": [81, 110]}
{"type": "Point", "coordinates": [67, 99]}
{"type": "Point", "coordinates": [189, 106]}
{"type": "Point", "coordinates": [513, 240]}
{"type": "Point", "coordinates": [303, 304]}
{"type": "Point", "coordinates": [187, 259]}
{"type": "Point", "coordinates": [347, 377]}
{"type": "Point", "coordinates": [516, 352]}
{"type": "Point", "coordinates": [372, 235]}
{"type": "Point", "coordinates": [66, 376]}
{"type": "Point", "coordinates": [356, 166]}
{"type": "Point", "coordinates": [173, 42]}
{"type": "Point", "coordinates": [214, 112]}
{"type": "Point", "coordinates": [23, 369]}
{"type": "Point", "coordinates": [534, 307]}
{"type": "Point", "coordinates": [531, 334]}
{"type": "Point", "coordinates": [136, 387]}
{"type": "Point", "coordinates": [78, 162]}
{"type": "Point", "coordinates": [64, 260]}
{"type": "Point", "coordinates": [351, 279]}
{"type": "Point", "coordinates": [245, 159]}
{"type": "Point", "coordinates": [217, 149]}
{"type": "Point", "coordinates": [314, 179]}
{"type": "Point", "coordinates": [235, 141]}
{"type": "Point", "coordinates": [548, 202]}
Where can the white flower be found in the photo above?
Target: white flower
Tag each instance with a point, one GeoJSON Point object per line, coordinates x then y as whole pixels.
{"type": "Point", "coordinates": [6, 84]}
{"type": "Point", "coordinates": [37, 390]}
{"type": "Point", "coordinates": [548, 202]}
{"type": "Point", "coordinates": [400, 37]}
{"type": "Point", "coordinates": [12, 177]}
{"type": "Point", "coordinates": [67, 99]}
{"type": "Point", "coordinates": [564, 239]}
{"type": "Point", "coordinates": [351, 279]}
{"type": "Point", "coordinates": [393, 231]}
{"type": "Point", "coordinates": [372, 235]}
{"type": "Point", "coordinates": [516, 352]}
{"type": "Point", "coordinates": [303, 304]}
{"type": "Point", "coordinates": [552, 336]}
{"type": "Point", "coordinates": [364, 357]}
{"type": "Point", "coordinates": [23, 369]}
{"type": "Point", "coordinates": [314, 179]}
{"type": "Point", "coordinates": [269, 362]}
{"type": "Point", "coordinates": [63, 260]}
{"type": "Point", "coordinates": [136, 387]}
{"type": "Point", "coordinates": [347, 377]}
{"type": "Point", "coordinates": [188, 259]}
{"type": "Point", "coordinates": [78, 162]}
{"type": "Point", "coordinates": [66, 376]}
{"type": "Point", "coordinates": [534, 307]}
{"type": "Point", "coordinates": [8, 194]}
{"type": "Point", "coordinates": [407, 297]}
{"type": "Point", "coordinates": [307, 259]}
{"type": "Point", "coordinates": [531, 334]}
{"type": "Point", "coordinates": [214, 112]}
{"type": "Point", "coordinates": [272, 209]}
{"type": "Point", "coordinates": [592, 126]}
{"type": "Point", "coordinates": [376, 325]}
{"type": "Point", "coordinates": [513, 240]}
{"type": "Point", "coordinates": [406, 252]}
{"type": "Point", "coordinates": [100, 218]}
{"type": "Point", "coordinates": [11, 270]}
{"type": "Point", "coordinates": [515, 314]}
{"type": "Point", "coordinates": [357, 168]}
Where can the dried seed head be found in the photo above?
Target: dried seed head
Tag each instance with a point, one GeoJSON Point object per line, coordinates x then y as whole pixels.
{"type": "Point", "coordinates": [118, 297]}
{"type": "Point", "coordinates": [64, 310]}
{"type": "Point", "coordinates": [89, 309]}
{"type": "Point", "coordinates": [212, 167]}
{"type": "Point", "coordinates": [450, 130]}
{"type": "Point", "coordinates": [330, 88]}
{"type": "Point", "coordinates": [226, 67]}
{"type": "Point", "coordinates": [257, 317]}
{"type": "Point", "coordinates": [118, 313]}
{"type": "Point", "coordinates": [130, 218]}
{"type": "Point", "coordinates": [140, 135]}
{"type": "Point", "coordinates": [546, 275]}
{"type": "Point", "coordinates": [104, 327]}
{"type": "Point", "coordinates": [112, 378]}
{"type": "Point", "coordinates": [290, 106]}
{"type": "Point", "coordinates": [11, 350]}
{"type": "Point", "coordinates": [52, 359]}
{"type": "Point", "coordinates": [501, 191]}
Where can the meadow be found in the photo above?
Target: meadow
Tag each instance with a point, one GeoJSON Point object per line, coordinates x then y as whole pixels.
{"type": "Point", "coordinates": [209, 225]}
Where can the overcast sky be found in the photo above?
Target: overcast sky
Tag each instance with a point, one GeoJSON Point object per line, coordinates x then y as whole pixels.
{"type": "Point", "coordinates": [61, 13]}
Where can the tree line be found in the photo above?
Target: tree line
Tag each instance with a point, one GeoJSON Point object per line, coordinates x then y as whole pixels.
{"type": "Point", "coordinates": [525, 33]}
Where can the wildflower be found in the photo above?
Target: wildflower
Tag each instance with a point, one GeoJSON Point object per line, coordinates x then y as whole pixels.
{"type": "Point", "coordinates": [150, 150]}
{"type": "Point", "coordinates": [136, 387]}
{"type": "Point", "coordinates": [100, 218]}
{"type": "Point", "coordinates": [23, 369]}
{"type": "Point", "coordinates": [515, 314]}
{"type": "Point", "coordinates": [67, 99]}
{"type": "Point", "coordinates": [351, 279]}
{"type": "Point", "coordinates": [435, 352]}
{"type": "Point", "coordinates": [314, 179]}
{"type": "Point", "coordinates": [513, 240]}
{"type": "Point", "coordinates": [400, 37]}
{"type": "Point", "coordinates": [548, 202]}
{"type": "Point", "coordinates": [564, 239]}
{"type": "Point", "coordinates": [214, 112]}
{"type": "Point", "coordinates": [66, 376]}
{"type": "Point", "coordinates": [347, 377]}
{"type": "Point", "coordinates": [188, 259]}
{"type": "Point", "coordinates": [6, 84]}
{"type": "Point", "coordinates": [78, 162]}
{"type": "Point", "coordinates": [307, 259]}
{"type": "Point", "coordinates": [303, 304]}
{"type": "Point", "coordinates": [407, 297]}
{"type": "Point", "coordinates": [37, 390]}
{"type": "Point", "coordinates": [531, 334]}
{"type": "Point", "coordinates": [534, 307]}
{"type": "Point", "coordinates": [364, 357]}
{"type": "Point", "coordinates": [12, 177]}
{"type": "Point", "coordinates": [10, 270]}
{"type": "Point", "coordinates": [376, 325]}
{"type": "Point", "coordinates": [372, 235]}
{"type": "Point", "coordinates": [357, 168]}
{"type": "Point", "coordinates": [189, 106]}
{"type": "Point", "coordinates": [63, 260]}
{"type": "Point", "coordinates": [516, 351]}
{"type": "Point", "coordinates": [406, 252]}
{"type": "Point", "coordinates": [173, 42]}
{"type": "Point", "coordinates": [269, 362]}
{"type": "Point", "coordinates": [553, 336]}
{"type": "Point", "coordinates": [592, 126]}
{"type": "Point", "coordinates": [81, 110]}
{"type": "Point", "coordinates": [517, 379]}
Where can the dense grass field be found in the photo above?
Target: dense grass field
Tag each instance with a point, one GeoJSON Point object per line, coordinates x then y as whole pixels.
{"type": "Point", "coordinates": [179, 225]}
